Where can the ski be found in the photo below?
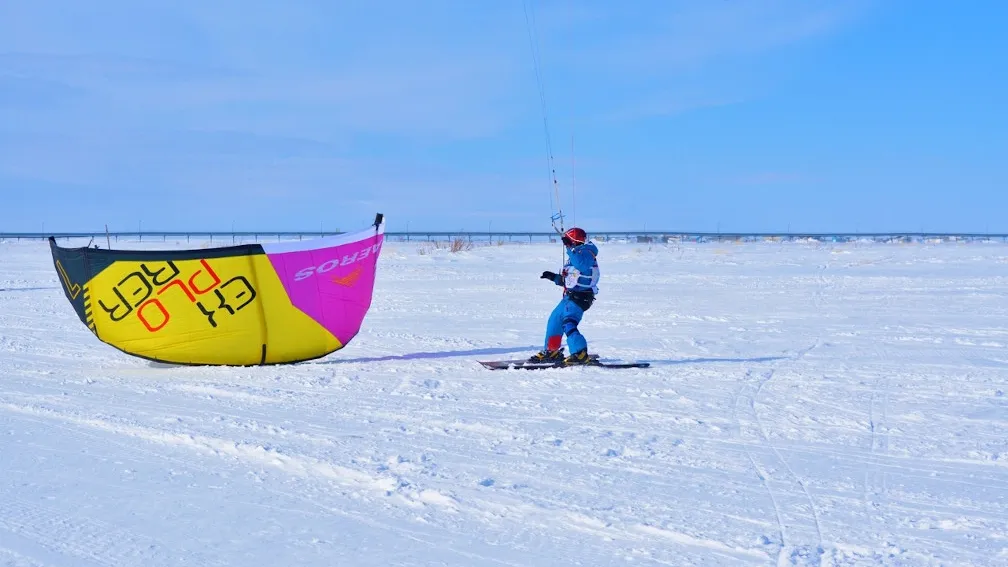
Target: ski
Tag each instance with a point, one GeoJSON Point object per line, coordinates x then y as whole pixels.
{"type": "Point", "coordinates": [523, 364]}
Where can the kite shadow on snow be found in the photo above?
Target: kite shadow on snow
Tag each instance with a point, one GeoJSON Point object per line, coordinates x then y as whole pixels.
{"type": "Point", "coordinates": [441, 354]}
{"type": "Point", "coordinates": [410, 356]}
{"type": "Point", "coordinates": [504, 350]}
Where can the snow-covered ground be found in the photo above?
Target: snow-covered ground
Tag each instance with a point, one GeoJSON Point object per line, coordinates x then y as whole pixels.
{"type": "Point", "coordinates": [807, 404]}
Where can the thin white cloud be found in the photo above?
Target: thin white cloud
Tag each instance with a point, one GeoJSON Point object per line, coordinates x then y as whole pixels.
{"type": "Point", "coordinates": [416, 71]}
{"type": "Point", "coordinates": [663, 58]}
{"type": "Point", "coordinates": [681, 35]}
{"type": "Point", "coordinates": [664, 104]}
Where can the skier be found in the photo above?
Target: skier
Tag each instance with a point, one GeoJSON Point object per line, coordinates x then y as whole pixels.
{"type": "Point", "coordinates": [579, 278]}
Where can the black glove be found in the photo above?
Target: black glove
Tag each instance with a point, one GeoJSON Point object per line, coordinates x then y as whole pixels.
{"type": "Point", "coordinates": [548, 276]}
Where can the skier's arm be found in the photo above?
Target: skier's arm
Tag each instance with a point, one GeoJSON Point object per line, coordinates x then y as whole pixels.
{"type": "Point", "coordinates": [555, 278]}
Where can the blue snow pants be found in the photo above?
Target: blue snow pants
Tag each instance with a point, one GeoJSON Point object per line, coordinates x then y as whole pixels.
{"type": "Point", "coordinates": [564, 320]}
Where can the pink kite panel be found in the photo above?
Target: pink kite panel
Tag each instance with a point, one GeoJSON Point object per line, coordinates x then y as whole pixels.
{"type": "Point", "coordinates": [331, 279]}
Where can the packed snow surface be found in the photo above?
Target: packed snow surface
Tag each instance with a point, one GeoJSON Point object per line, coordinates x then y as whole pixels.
{"type": "Point", "coordinates": [807, 404]}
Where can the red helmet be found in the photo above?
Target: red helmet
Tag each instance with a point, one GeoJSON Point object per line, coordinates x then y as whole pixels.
{"type": "Point", "coordinates": [574, 237]}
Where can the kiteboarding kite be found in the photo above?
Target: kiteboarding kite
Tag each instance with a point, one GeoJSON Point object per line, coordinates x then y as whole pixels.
{"type": "Point", "coordinates": [237, 305]}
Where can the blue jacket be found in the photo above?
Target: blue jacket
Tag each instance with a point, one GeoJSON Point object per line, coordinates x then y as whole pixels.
{"type": "Point", "coordinates": [581, 271]}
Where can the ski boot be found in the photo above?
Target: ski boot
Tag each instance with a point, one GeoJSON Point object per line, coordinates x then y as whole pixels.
{"type": "Point", "coordinates": [554, 356]}
{"type": "Point", "coordinates": [581, 358]}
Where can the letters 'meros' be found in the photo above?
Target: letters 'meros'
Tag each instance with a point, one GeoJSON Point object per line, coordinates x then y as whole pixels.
{"type": "Point", "coordinates": [337, 262]}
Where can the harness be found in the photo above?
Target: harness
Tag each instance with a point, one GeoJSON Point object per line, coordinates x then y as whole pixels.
{"type": "Point", "coordinates": [581, 288]}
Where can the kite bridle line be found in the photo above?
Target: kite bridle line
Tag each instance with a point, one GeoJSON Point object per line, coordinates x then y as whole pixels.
{"type": "Point", "coordinates": [534, 46]}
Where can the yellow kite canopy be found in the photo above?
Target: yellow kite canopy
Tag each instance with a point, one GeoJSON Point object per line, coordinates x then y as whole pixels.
{"type": "Point", "coordinates": [236, 305]}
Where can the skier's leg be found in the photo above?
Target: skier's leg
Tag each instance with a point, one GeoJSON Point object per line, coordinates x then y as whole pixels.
{"type": "Point", "coordinates": [554, 335]}
{"type": "Point", "coordinates": [572, 315]}
{"type": "Point", "coordinates": [554, 327]}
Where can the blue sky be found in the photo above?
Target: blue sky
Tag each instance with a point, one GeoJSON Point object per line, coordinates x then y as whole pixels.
{"type": "Point", "coordinates": [738, 115]}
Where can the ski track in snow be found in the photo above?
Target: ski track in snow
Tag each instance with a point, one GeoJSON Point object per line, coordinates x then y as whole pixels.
{"type": "Point", "coordinates": [807, 404]}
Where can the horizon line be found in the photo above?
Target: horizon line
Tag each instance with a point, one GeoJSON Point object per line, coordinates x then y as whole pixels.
{"type": "Point", "coordinates": [490, 233]}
